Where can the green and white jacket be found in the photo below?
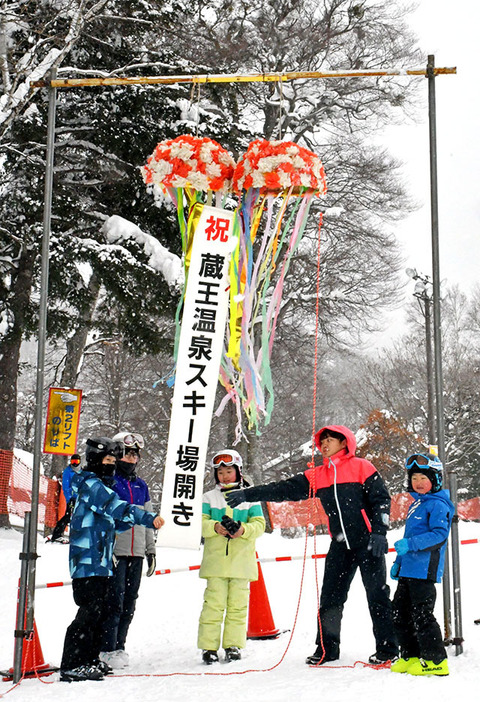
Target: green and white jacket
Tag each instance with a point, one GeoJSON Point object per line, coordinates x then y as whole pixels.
{"type": "Point", "coordinates": [239, 560]}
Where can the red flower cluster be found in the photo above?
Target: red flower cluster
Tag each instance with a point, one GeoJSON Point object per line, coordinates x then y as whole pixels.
{"type": "Point", "coordinates": [189, 161]}
{"type": "Point", "coordinates": [275, 166]}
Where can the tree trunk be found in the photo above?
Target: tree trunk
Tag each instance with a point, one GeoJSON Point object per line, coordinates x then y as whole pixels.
{"type": "Point", "coordinates": [19, 298]}
{"type": "Point", "coordinates": [73, 359]}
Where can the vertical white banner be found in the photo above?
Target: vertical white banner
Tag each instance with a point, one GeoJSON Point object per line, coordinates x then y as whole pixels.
{"type": "Point", "coordinates": [198, 363]}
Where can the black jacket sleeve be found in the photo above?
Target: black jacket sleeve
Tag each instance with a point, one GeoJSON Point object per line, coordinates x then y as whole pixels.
{"type": "Point", "coordinates": [378, 501]}
{"type": "Point", "coordinates": [290, 490]}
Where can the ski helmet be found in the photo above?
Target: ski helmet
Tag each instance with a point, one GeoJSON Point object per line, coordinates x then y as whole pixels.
{"type": "Point", "coordinates": [96, 451]}
{"type": "Point", "coordinates": [428, 464]}
{"type": "Point", "coordinates": [228, 458]}
{"type": "Point", "coordinates": [128, 441]}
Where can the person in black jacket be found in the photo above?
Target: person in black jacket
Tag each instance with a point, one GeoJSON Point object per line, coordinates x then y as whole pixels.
{"type": "Point", "coordinates": [357, 505]}
{"type": "Point", "coordinates": [72, 468]}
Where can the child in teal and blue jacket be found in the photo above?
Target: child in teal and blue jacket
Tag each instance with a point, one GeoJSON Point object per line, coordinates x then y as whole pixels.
{"type": "Point", "coordinates": [98, 513]}
{"type": "Point", "coordinates": [418, 566]}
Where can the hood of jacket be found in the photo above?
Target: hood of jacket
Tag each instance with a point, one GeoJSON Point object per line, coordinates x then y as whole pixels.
{"type": "Point", "coordinates": [347, 433]}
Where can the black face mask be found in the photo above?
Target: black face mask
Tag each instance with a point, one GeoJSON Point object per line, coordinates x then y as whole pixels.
{"type": "Point", "coordinates": [128, 470]}
{"type": "Point", "coordinates": [104, 471]}
{"type": "Point", "coordinates": [107, 470]}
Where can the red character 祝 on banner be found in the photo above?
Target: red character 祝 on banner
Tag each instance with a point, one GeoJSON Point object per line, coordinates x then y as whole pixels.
{"type": "Point", "coordinates": [218, 228]}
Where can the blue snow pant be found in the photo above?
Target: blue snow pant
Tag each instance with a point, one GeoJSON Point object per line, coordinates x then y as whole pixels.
{"type": "Point", "coordinates": [121, 602]}
{"type": "Point", "coordinates": [340, 567]}
{"type": "Point", "coordinates": [417, 629]}
{"type": "Point", "coordinates": [82, 638]}
{"type": "Point", "coordinates": [229, 597]}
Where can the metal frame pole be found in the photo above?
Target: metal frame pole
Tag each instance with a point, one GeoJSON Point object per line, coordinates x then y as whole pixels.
{"type": "Point", "coordinates": [42, 334]}
{"type": "Point", "coordinates": [437, 331]}
{"type": "Point", "coordinates": [20, 631]}
{"type": "Point", "coordinates": [457, 599]}
{"type": "Point", "coordinates": [430, 374]}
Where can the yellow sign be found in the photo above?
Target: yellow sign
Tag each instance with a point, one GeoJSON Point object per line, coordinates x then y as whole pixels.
{"type": "Point", "coordinates": [63, 416]}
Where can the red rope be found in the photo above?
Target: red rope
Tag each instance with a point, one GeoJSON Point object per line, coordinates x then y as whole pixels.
{"type": "Point", "coordinates": [313, 489]}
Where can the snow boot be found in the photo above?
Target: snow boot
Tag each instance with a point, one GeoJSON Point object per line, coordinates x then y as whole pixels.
{"type": "Point", "coordinates": [115, 659]}
{"type": "Point", "coordinates": [318, 656]}
{"type": "Point", "coordinates": [209, 657]}
{"type": "Point", "coordinates": [422, 668]}
{"type": "Point", "coordinates": [104, 667]}
{"type": "Point", "coordinates": [83, 672]}
{"type": "Point", "coordinates": [232, 653]}
{"type": "Point", "coordinates": [382, 658]}
{"type": "Point", "coordinates": [401, 666]}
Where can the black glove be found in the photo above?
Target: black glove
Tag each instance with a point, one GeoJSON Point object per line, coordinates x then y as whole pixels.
{"type": "Point", "coordinates": [230, 524]}
{"type": "Point", "coordinates": [378, 545]}
{"type": "Point", "coordinates": [235, 498]}
{"type": "Point", "coordinates": [152, 564]}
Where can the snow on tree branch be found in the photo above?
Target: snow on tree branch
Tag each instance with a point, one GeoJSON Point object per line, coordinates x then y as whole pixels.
{"type": "Point", "coordinates": [19, 69]}
{"type": "Point", "coordinates": [117, 228]}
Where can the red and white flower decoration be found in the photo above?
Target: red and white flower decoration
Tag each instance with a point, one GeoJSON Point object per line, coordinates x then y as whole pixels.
{"type": "Point", "coordinates": [275, 166]}
{"type": "Point", "coordinates": [189, 162]}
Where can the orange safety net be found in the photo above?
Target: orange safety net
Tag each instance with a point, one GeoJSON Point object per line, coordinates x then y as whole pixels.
{"type": "Point", "coordinates": [16, 490]}
{"type": "Point", "coordinates": [285, 515]}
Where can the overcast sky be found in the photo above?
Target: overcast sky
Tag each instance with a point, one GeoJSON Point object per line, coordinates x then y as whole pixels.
{"type": "Point", "coordinates": [450, 31]}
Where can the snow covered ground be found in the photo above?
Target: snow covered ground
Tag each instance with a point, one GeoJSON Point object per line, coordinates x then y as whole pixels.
{"type": "Point", "coordinates": [165, 663]}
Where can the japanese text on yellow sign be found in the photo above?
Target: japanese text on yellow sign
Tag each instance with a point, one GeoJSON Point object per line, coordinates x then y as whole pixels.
{"type": "Point", "coordinates": [63, 415]}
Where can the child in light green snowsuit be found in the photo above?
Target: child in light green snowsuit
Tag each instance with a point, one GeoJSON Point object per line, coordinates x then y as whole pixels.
{"type": "Point", "coordinates": [229, 561]}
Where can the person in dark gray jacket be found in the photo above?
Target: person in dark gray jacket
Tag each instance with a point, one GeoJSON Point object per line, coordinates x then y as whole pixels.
{"type": "Point", "coordinates": [131, 547]}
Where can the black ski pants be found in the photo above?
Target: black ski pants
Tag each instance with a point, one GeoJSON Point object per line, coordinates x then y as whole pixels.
{"type": "Point", "coordinates": [418, 632]}
{"type": "Point", "coordinates": [340, 567]}
{"type": "Point", "coordinates": [82, 639]}
{"type": "Point", "coordinates": [121, 602]}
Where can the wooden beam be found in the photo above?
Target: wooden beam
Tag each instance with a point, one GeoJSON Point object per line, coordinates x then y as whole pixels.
{"type": "Point", "coordinates": [232, 78]}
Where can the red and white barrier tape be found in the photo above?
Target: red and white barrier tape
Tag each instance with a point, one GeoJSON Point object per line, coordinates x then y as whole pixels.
{"type": "Point", "coordinates": [278, 559]}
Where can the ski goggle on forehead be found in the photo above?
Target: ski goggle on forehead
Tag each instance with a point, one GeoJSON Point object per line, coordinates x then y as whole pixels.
{"type": "Point", "coordinates": [227, 459]}
{"type": "Point", "coordinates": [133, 441]}
{"type": "Point", "coordinates": [421, 461]}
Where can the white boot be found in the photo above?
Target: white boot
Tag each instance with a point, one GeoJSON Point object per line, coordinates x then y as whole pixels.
{"type": "Point", "coordinates": [115, 659]}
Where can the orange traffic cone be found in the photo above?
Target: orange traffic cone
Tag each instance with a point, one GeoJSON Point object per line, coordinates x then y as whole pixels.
{"type": "Point", "coordinates": [33, 664]}
{"type": "Point", "coordinates": [260, 620]}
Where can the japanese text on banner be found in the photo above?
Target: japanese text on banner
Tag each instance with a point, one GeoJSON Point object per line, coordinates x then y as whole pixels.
{"type": "Point", "coordinates": [198, 363]}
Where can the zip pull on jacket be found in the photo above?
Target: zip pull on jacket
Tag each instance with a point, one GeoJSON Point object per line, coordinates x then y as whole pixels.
{"type": "Point", "coordinates": [337, 502]}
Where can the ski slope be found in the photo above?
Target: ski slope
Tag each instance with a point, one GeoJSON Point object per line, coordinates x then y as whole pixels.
{"type": "Point", "coordinates": [165, 663]}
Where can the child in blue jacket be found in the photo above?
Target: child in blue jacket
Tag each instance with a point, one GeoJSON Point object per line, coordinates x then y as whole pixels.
{"type": "Point", "coordinates": [98, 513]}
{"type": "Point", "coordinates": [418, 566]}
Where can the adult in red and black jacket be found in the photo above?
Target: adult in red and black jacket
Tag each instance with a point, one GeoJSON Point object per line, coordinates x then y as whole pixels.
{"type": "Point", "coordinates": [357, 505]}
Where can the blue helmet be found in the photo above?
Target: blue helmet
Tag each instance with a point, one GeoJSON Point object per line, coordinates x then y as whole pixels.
{"type": "Point", "coordinates": [428, 464]}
